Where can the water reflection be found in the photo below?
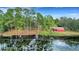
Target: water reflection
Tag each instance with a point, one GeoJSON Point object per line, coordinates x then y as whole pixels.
{"type": "Point", "coordinates": [43, 44]}
{"type": "Point", "coordinates": [60, 45]}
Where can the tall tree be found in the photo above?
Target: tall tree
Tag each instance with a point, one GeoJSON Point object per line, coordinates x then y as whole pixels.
{"type": "Point", "coordinates": [19, 20]}
{"type": "Point", "coordinates": [9, 18]}
{"type": "Point", "coordinates": [2, 28]}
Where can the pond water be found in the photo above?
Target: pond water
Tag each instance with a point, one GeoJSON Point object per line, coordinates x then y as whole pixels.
{"type": "Point", "coordinates": [41, 44]}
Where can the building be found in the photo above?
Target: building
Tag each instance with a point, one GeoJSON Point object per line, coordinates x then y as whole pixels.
{"type": "Point", "coordinates": [58, 29]}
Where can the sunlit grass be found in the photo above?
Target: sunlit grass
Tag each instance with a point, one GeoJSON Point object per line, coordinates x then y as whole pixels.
{"type": "Point", "coordinates": [66, 33]}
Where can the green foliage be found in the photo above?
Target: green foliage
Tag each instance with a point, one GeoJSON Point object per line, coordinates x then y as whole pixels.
{"type": "Point", "coordinates": [46, 22]}
{"type": "Point", "coordinates": [71, 24]}
{"type": "Point", "coordinates": [24, 18]}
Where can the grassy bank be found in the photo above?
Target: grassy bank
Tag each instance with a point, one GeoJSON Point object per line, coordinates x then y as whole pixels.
{"type": "Point", "coordinates": [66, 33]}
{"type": "Point", "coordinates": [43, 33]}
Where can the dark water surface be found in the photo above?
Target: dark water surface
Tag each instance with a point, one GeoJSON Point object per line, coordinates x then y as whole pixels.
{"type": "Point", "coordinates": [40, 44]}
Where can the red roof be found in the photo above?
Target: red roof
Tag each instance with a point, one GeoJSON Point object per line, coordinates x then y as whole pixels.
{"type": "Point", "coordinates": [58, 29]}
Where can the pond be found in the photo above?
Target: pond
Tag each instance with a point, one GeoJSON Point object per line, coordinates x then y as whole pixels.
{"type": "Point", "coordinates": [40, 44]}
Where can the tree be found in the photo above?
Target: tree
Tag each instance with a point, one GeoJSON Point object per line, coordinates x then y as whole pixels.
{"type": "Point", "coordinates": [19, 20]}
{"type": "Point", "coordinates": [40, 20]}
{"type": "Point", "coordinates": [71, 24]}
{"type": "Point", "coordinates": [29, 15]}
{"type": "Point", "coordinates": [9, 19]}
{"type": "Point", "coordinates": [2, 21]}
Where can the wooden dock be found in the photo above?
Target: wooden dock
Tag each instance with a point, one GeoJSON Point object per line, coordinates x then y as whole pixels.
{"type": "Point", "coordinates": [20, 33]}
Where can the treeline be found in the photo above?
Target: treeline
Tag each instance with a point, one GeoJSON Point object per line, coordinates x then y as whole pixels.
{"type": "Point", "coordinates": [24, 18]}
{"type": "Point", "coordinates": [70, 24]}
{"type": "Point", "coordinates": [27, 18]}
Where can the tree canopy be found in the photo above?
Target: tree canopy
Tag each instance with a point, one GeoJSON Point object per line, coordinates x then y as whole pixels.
{"type": "Point", "coordinates": [24, 18]}
{"type": "Point", "coordinates": [27, 18]}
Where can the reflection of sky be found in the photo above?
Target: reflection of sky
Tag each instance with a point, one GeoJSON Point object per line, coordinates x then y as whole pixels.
{"type": "Point", "coordinates": [56, 12]}
{"type": "Point", "coordinates": [59, 45]}
{"type": "Point", "coordinates": [59, 11]}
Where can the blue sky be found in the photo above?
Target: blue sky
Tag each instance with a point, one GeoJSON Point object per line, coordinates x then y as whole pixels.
{"type": "Point", "coordinates": [57, 12]}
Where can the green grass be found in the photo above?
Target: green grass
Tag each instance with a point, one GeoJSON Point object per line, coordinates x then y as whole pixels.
{"type": "Point", "coordinates": [66, 33]}
{"type": "Point", "coordinates": [49, 33]}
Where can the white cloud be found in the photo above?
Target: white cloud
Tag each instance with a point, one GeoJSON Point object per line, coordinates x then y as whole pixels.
{"type": "Point", "coordinates": [72, 15]}
{"type": "Point", "coordinates": [76, 15]}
